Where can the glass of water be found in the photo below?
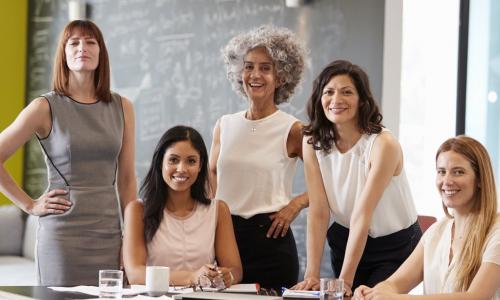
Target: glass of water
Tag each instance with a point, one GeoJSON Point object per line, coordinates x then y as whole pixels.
{"type": "Point", "coordinates": [110, 283]}
{"type": "Point", "coordinates": [331, 289]}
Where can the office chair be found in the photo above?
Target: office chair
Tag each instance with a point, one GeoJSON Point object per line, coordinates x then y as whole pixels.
{"type": "Point", "coordinates": [425, 222]}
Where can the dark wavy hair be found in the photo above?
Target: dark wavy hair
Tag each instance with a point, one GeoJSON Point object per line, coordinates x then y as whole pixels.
{"type": "Point", "coordinates": [322, 133]}
{"type": "Point", "coordinates": [154, 190]}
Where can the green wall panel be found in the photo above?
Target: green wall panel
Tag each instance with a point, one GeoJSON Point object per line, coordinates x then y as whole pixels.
{"type": "Point", "coordinates": [13, 30]}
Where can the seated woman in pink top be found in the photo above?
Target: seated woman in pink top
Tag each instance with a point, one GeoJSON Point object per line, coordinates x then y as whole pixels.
{"type": "Point", "coordinates": [176, 224]}
{"type": "Point", "coordinates": [458, 257]}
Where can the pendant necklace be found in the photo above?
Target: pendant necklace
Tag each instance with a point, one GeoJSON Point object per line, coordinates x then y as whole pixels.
{"type": "Point", "coordinates": [254, 124]}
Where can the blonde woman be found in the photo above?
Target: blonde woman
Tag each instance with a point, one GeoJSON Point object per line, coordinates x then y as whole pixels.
{"type": "Point", "coordinates": [458, 257]}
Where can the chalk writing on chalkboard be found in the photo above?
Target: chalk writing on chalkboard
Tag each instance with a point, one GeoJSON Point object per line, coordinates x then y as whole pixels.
{"type": "Point", "coordinates": [165, 57]}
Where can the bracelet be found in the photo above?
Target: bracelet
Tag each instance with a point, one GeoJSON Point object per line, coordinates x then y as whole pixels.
{"type": "Point", "coordinates": [231, 278]}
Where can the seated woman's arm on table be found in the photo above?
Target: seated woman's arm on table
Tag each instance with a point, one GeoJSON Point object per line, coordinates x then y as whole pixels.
{"type": "Point", "coordinates": [135, 250]}
{"type": "Point", "coordinates": [226, 249]}
{"type": "Point", "coordinates": [410, 274]}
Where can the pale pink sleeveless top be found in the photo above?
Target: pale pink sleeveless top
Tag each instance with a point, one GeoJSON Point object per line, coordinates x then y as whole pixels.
{"type": "Point", "coordinates": [185, 243]}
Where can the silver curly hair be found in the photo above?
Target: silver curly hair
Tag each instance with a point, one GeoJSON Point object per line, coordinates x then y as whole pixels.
{"type": "Point", "coordinates": [286, 51]}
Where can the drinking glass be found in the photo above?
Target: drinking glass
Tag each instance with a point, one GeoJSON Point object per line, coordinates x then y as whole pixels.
{"type": "Point", "coordinates": [331, 289]}
{"type": "Point", "coordinates": [110, 284]}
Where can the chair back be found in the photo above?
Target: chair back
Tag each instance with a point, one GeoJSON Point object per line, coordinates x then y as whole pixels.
{"type": "Point", "coordinates": [425, 222]}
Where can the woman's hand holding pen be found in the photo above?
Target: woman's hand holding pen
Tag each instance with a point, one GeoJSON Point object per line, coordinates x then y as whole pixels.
{"type": "Point", "coordinates": [226, 275]}
{"type": "Point", "coordinates": [212, 271]}
{"type": "Point", "coordinates": [203, 271]}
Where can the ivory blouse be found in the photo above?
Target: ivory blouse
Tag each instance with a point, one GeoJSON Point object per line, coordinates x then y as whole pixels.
{"type": "Point", "coordinates": [439, 277]}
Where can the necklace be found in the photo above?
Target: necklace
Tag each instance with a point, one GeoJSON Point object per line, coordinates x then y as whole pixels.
{"type": "Point", "coordinates": [253, 129]}
{"type": "Point", "coordinates": [249, 116]}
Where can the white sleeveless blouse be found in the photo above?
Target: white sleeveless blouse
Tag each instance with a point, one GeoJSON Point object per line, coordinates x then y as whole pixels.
{"type": "Point", "coordinates": [344, 178]}
{"type": "Point", "coordinates": [254, 172]}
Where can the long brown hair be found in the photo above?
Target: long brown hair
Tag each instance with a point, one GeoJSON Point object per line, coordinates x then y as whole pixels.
{"type": "Point", "coordinates": [484, 210]}
{"type": "Point", "coordinates": [60, 73]}
{"type": "Point", "coordinates": [321, 130]}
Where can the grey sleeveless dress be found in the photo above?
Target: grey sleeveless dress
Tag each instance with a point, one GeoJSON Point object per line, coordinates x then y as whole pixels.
{"type": "Point", "coordinates": [81, 153]}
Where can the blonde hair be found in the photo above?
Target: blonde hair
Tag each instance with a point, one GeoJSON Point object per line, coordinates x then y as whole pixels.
{"type": "Point", "coordinates": [484, 210]}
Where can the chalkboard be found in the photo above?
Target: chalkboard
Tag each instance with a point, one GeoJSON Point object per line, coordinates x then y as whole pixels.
{"type": "Point", "coordinates": [165, 57]}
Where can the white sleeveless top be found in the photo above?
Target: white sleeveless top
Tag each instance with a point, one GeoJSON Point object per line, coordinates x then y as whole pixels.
{"type": "Point", "coordinates": [344, 178]}
{"type": "Point", "coordinates": [185, 243]}
{"type": "Point", "coordinates": [254, 172]}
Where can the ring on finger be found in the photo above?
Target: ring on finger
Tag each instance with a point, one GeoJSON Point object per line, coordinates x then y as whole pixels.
{"type": "Point", "coordinates": [280, 225]}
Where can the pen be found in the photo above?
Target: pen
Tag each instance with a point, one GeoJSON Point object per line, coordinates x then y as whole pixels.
{"type": "Point", "coordinates": [215, 267]}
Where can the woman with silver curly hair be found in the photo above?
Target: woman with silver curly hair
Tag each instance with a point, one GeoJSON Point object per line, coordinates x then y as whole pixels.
{"type": "Point", "coordinates": [255, 151]}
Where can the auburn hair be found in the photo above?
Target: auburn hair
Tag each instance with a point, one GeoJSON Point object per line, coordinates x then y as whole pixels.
{"type": "Point", "coordinates": [484, 210]}
{"type": "Point", "coordinates": [60, 73]}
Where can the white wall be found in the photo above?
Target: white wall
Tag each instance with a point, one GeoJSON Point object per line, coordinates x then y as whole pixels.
{"type": "Point", "coordinates": [391, 82]}
{"type": "Point", "coordinates": [426, 87]}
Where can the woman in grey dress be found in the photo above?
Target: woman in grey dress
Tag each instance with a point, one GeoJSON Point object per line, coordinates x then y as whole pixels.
{"type": "Point", "coordinates": [87, 135]}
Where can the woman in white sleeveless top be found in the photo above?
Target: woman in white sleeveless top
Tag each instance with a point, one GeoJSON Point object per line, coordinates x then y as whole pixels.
{"type": "Point", "coordinates": [255, 151]}
{"type": "Point", "coordinates": [177, 225]}
{"type": "Point", "coordinates": [459, 256]}
{"type": "Point", "coordinates": [354, 171]}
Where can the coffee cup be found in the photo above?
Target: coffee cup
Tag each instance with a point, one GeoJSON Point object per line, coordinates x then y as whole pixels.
{"type": "Point", "coordinates": [157, 279]}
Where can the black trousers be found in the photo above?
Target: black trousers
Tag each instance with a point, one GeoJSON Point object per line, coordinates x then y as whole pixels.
{"type": "Point", "coordinates": [273, 263]}
{"type": "Point", "coordinates": [382, 256]}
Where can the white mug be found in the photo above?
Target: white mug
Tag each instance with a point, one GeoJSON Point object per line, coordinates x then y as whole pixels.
{"type": "Point", "coordinates": [157, 279]}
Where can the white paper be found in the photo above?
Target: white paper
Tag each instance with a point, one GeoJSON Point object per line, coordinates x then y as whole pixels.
{"type": "Point", "coordinates": [242, 288]}
{"type": "Point", "coordinates": [147, 297]}
{"type": "Point", "coordinates": [138, 297]}
{"type": "Point", "coordinates": [301, 294]}
{"type": "Point", "coordinates": [91, 290]}
{"type": "Point", "coordinates": [235, 288]}
{"type": "Point", "coordinates": [172, 289]}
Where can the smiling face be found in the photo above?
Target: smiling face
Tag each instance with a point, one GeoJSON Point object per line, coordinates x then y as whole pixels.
{"type": "Point", "coordinates": [259, 75]}
{"type": "Point", "coordinates": [340, 100]}
{"type": "Point", "coordinates": [82, 52]}
{"type": "Point", "coordinates": [181, 165]}
{"type": "Point", "coordinates": [455, 181]}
